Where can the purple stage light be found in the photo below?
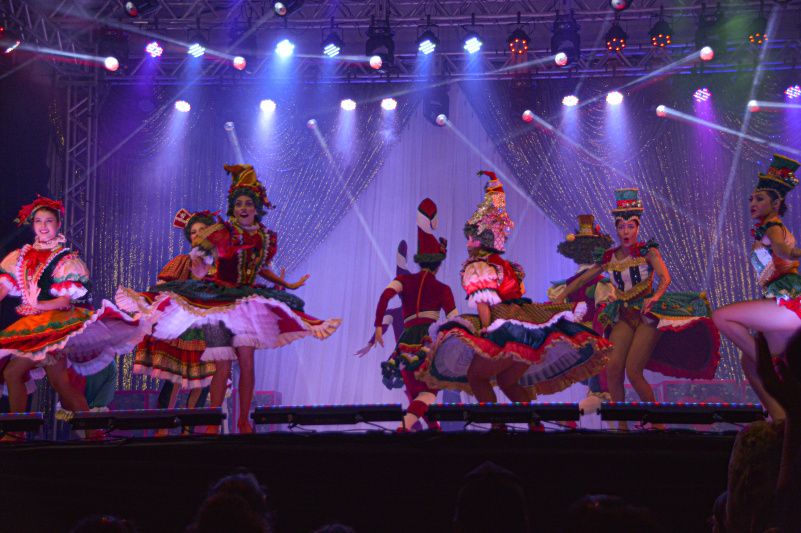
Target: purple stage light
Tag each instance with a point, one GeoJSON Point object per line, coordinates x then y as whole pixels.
{"type": "Point", "coordinates": [570, 101]}
{"type": "Point", "coordinates": [348, 104]}
{"type": "Point", "coordinates": [793, 92]}
{"type": "Point", "coordinates": [389, 104]}
{"type": "Point", "coordinates": [702, 95]}
{"type": "Point", "coordinates": [111, 64]}
{"type": "Point", "coordinates": [182, 106]}
{"type": "Point", "coordinates": [528, 115]}
{"type": "Point", "coordinates": [239, 63]}
{"type": "Point", "coordinates": [154, 49]}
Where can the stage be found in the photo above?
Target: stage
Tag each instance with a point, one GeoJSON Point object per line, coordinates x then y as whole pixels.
{"type": "Point", "coordinates": [372, 481]}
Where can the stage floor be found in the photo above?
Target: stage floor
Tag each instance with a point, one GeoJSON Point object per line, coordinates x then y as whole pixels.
{"type": "Point", "coordinates": [374, 481]}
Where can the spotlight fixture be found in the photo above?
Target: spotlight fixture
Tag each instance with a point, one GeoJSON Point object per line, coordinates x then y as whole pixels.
{"type": "Point", "coordinates": [196, 50]}
{"type": "Point", "coordinates": [528, 116]}
{"type": "Point", "coordinates": [9, 41]}
{"type": "Point", "coordinates": [154, 49]}
{"type": "Point", "coordinates": [473, 43]}
{"type": "Point", "coordinates": [111, 64]}
{"type": "Point", "coordinates": [518, 42]}
{"type": "Point", "coordinates": [427, 42]}
{"type": "Point", "coordinates": [389, 104]}
{"type": "Point", "coordinates": [753, 106]}
{"type": "Point", "coordinates": [267, 106]}
{"type": "Point", "coordinates": [706, 53]}
{"type": "Point", "coordinates": [756, 34]}
{"type": "Point", "coordinates": [566, 39]}
{"type": "Point", "coordinates": [436, 104]}
{"type": "Point", "coordinates": [239, 63]}
{"type": "Point", "coordinates": [114, 43]}
{"type": "Point", "coordinates": [182, 106]}
{"type": "Point", "coordinates": [570, 101]}
{"type": "Point", "coordinates": [709, 32]}
{"type": "Point", "coordinates": [442, 119]}
{"type": "Point", "coordinates": [285, 48]}
{"type": "Point", "coordinates": [311, 124]}
{"type": "Point", "coordinates": [135, 8]}
{"type": "Point", "coordinates": [348, 104]}
{"type": "Point", "coordinates": [661, 111]}
{"type": "Point", "coordinates": [229, 126]}
{"type": "Point", "coordinates": [333, 45]}
{"type": "Point", "coordinates": [661, 34]}
{"type": "Point", "coordinates": [380, 44]}
{"type": "Point", "coordinates": [614, 98]}
{"type": "Point", "coordinates": [620, 5]}
{"type": "Point", "coordinates": [793, 92]}
{"type": "Point", "coordinates": [560, 59]}
{"type": "Point", "coordinates": [286, 7]}
{"type": "Point", "coordinates": [702, 95]}
{"type": "Point", "coordinates": [616, 38]}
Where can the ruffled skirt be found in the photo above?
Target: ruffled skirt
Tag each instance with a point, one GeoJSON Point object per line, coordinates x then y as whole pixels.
{"type": "Point", "coordinates": [689, 346]}
{"type": "Point", "coordinates": [178, 361]}
{"type": "Point", "coordinates": [558, 350]}
{"type": "Point", "coordinates": [88, 339]}
{"type": "Point", "coordinates": [258, 317]}
{"type": "Point", "coordinates": [407, 355]}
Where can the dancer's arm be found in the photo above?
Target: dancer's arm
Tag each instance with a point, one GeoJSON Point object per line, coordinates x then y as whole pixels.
{"type": "Point", "coordinates": [484, 314]}
{"type": "Point", "coordinates": [779, 246]}
{"type": "Point", "coordinates": [393, 289]}
{"type": "Point", "coordinates": [654, 259]}
{"type": "Point", "coordinates": [269, 275]}
{"type": "Point", "coordinates": [585, 277]}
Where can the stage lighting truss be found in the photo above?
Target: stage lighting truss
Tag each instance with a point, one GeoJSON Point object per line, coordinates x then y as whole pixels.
{"type": "Point", "coordinates": [147, 419]}
{"type": "Point", "coordinates": [517, 412]}
{"type": "Point", "coordinates": [427, 41]}
{"type": "Point", "coordinates": [21, 422]}
{"type": "Point", "coordinates": [661, 33]}
{"type": "Point", "coordinates": [323, 415]}
{"type": "Point", "coordinates": [566, 38]}
{"type": "Point", "coordinates": [681, 413]}
{"type": "Point", "coordinates": [616, 38]}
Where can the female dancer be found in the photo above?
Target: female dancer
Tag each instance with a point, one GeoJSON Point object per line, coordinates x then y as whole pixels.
{"type": "Point", "coordinates": [231, 308]}
{"type": "Point", "coordinates": [671, 333]}
{"type": "Point", "coordinates": [525, 348]}
{"type": "Point", "coordinates": [55, 329]}
{"type": "Point", "coordinates": [775, 258]}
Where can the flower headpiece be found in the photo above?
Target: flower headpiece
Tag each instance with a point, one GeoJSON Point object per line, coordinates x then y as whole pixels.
{"type": "Point", "coordinates": [490, 223]}
{"type": "Point", "coordinates": [627, 204]}
{"type": "Point", "coordinates": [780, 176]}
{"type": "Point", "coordinates": [27, 211]}
{"type": "Point", "coordinates": [243, 179]}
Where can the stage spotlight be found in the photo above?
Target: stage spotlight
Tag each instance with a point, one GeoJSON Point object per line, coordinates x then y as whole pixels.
{"type": "Point", "coordinates": [793, 92]}
{"type": "Point", "coordinates": [528, 116]}
{"type": "Point", "coordinates": [753, 106]}
{"type": "Point", "coordinates": [111, 64]}
{"type": "Point", "coordinates": [442, 119]}
{"type": "Point", "coordinates": [708, 34]}
{"type": "Point", "coordinates": [436, 103]}
{"type": "Point", "coordinates": [229, 126]}
{"type": "Point", "coordinates": [196, 50]}
{"type": "Point", "coordinates": [661, 111]}
{"type": "Point", "coordinates": [473, 43]}
{"type": "Point", "coordinates": [380, 44]}
{"type": "Point", "coordinates": [239, 63]}
{"type": "Point", "coordinates": [570, 101]}
{"type": "Point", "coordinates": [114, 43]}
{"type": "Point", "coordinates": [566, 41]}
{"type": "Point", "coordinates": [518, 42]}
{"type": "Point", "coordinates": [756, 34]}
{"type": "Point", "coordinates": [285, 48]}
{"type": "Point", "coordinates": [286, 7]}
{"type": "Point", "coordinates": [702, 94]}
{"type": "Point", "coordinates": [619, 5]}
{"type": "Point", "coordinates": [135, 8]}
{"type": "Point", "coordinates": [348, 104]}
{"type": "Point", "coordinates": [616, 38]}
{"type": "Point", "coordinates": [9, 41]}
{"type": "Point", "coordinates": [706, 53]}
{"type": "Point", "coordinates": [427, 42]}
{"type": "Point", "coordinates": [267, 106]}
{"type": "Point", "coordinates": [311, 124]}
{"type": "Point", "coordinates": [661, 34]}
{"type": "Point", "coordinates": [154, 49]}
{"type": "Point", "coordinates": [182, 106]}
{"type": "Point", "coordinates": [389, 104]}
{"type": "Point", "coordinates": [614, 98]}
{"type": "Point", "coordinates": [333, 45]}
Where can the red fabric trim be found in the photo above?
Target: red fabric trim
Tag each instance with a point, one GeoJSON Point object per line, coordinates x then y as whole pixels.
{"type": "Point", "coordinates": [793, 305]}
{"type": "Point", "coordinates": [708, 372]}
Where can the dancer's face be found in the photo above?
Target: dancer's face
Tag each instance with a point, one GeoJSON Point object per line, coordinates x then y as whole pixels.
{"type": "Point", "coordinates": [627, 231]}
{"type": "Point", "coordinates": [45, 225]}
{"type": "Point", "coordinates": [196, 228]}
{"type": "Point", "coordinates": [245, 210]}
{"type": "Point", "coordinates": [761, 205]}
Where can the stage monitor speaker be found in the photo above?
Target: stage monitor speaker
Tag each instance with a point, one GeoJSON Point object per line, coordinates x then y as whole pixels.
{"type": "Point", "coordinates": [681, 413]}
{"type": "Point", "coordinates": [505, 412]}
{"type": "Point", "coordinates": [322, 415]}
{"type": "Point", "coordinates": [21, 422]}
{"type": "Point", "coordinates": [147, 419]}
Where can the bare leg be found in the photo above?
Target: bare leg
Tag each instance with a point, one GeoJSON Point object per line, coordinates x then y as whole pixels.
{"type": "Point", "coordinates": [621, 337]}
{"type": "Point", "coordinates": [15, 374]}
{"type": "Point", "coordinates": [410, 418]}
{"type": "Point", "coordinates": [479, 375]}
{"type": "Point", "coordinates": [642, 346]}
{"type": "Point", "coordinates": [71, 398]}
{"type": "Point", "coordinates": [776, 322]}
{"type": "Point", "coordinates": [219, 382]}
{"type": "Point", "coordinates": [509, 382]}
{"type": "Point", "coordinates": [247, 381]}
{"type": "Point", "coordinates": [194, 394]}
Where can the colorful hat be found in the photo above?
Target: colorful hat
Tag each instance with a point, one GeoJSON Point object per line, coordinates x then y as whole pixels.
{"type": "Point", "coordinates": [627, 204]}
{"type": "Point", "coordinates": [184, 219]}
{"type": "Point", "coordinates": [780, 177]}
{"type": "Point", "coordinates": [243, 178]}
{"type": "Point", "coordinates": [27, 211]}
{"type": "Point", "coordinates": [580, 246]}
{"type": "Point", "coordinates": [490, 223]}
{"type": "Point", "coordinates": [429, 248]}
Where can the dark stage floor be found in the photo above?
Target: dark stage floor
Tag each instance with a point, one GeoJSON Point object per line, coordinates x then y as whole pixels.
{"type": "Point", "coordinates": [376, 482]}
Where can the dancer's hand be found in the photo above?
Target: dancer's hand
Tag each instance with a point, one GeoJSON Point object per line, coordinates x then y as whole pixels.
{"type": "Point", "coordinates": [648, 304]}
{"type": "Point", "coordinates": [300, 283]}
{"type": "Point", "coordinates": [780, 381]}
{"type": "Point", "coordinates": [379, 336]}
{"type": "Point", "coordinates": [33, 291]}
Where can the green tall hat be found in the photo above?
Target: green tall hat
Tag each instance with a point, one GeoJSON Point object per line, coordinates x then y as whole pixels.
{"type": "Point", "coordinates": [780, 176]}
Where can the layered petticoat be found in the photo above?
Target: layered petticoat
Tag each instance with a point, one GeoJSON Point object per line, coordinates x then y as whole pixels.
{"type": "Point", "coordinates": [547, 337]}
{"type": "Point", "coordinates": [257, 316]}
{"type": "Point", "coordinates": [407, 355]}
{"type": "Point", "coordinates": [786, 290]}
{"type": "Point", "coordinates": [88, 339]}
{"type": "Point", "coordinates": [689, 346]}
{"type": "Point", "coordinates": [178, 361]}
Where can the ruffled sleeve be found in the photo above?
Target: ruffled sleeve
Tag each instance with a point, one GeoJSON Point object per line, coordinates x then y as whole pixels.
{"type": "Point", "coordinates": [70, 278]}
{"type": "Point", "coordinates": [178, 269]}
{"type": "Point", "coordinates": [8, 276]}
{"type": "Point", "coordinates": [481, 282]}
